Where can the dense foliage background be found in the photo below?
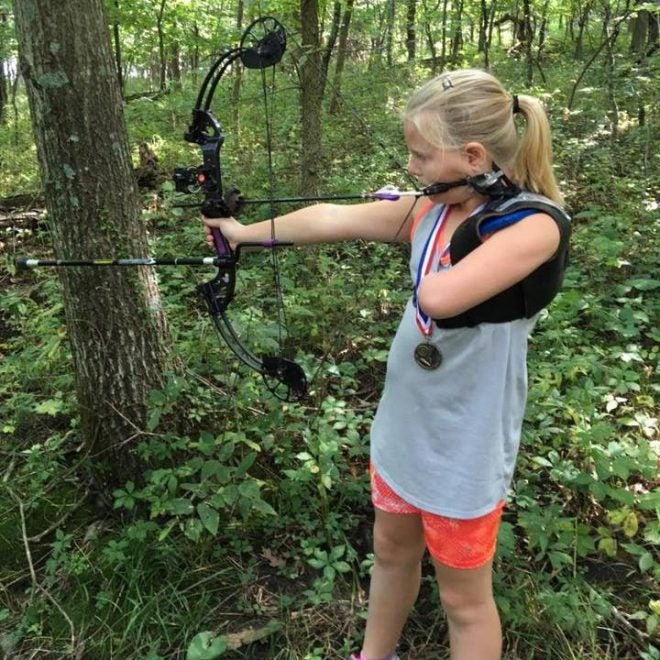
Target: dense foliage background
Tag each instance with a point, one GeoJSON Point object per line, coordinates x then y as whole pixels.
{"type": "Point", "coordinates": [248, 534]}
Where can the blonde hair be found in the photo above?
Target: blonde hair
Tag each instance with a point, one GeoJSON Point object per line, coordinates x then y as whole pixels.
{"type": "Point", "coordinates": [470, 105]}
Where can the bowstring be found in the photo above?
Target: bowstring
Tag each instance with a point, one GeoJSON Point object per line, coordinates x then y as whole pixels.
{"type": "Point", "coordinates": [269, 102]}
{"type": "Point", "coordinates": [385, 148]}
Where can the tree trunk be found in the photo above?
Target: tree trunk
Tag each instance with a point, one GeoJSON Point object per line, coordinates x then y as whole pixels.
{"type": "Point", "coordinates": [411, 33]}
{"type": "Point", "coordinates": [310, 98]}
{"type": "Point", "coordinates": [330, 44]}
{"type": "Point", "coordinates": [583, 19]}
{"type": "Point", "coordinates": [457, 39]}
{"type": "Point", "coordinates": [389, 41]}
{"type": "Point", "coordinates": [162, 63]}
{"type": "Point", "coordinates": [429, 34]}
{"type": "Point", "coordinates": [543, 28]}
{"type": "Point", "coordinates": [115, 322]}
{"type": "Point", "coordinates": [483, 26]}
{"type": "Point", "coordinates": [335, 99]}
{"type": "Point", "coordinates": [174, 65]}
{"type": "Point", "coordinates": [238, 79]}
{"type": "Point", "coordinates": [527, 42]}
{"type": "Point", "coordinates": [445, 23]}
{"type": "Point", "coordinates": [3, 75]}
{"type": "Point", "coordinates": [117, 44]}
{"type": "Point", "coordinates": [489, 33]}
{"type": "Point", "coordinates": [608, 39]}
{"type": "Point", "coordinates": [3, 91]}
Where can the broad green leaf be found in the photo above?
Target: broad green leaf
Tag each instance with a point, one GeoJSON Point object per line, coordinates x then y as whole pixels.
{"type": "Point", "coordinates": [209, 517]}
{"type": "Point", "coordinates": [206, 646]}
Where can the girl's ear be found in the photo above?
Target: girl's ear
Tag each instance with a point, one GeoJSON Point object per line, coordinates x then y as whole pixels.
{"type": "Point", "coordinates": [477, 157]}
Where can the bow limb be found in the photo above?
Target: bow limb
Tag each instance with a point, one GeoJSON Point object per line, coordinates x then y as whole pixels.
{"type": "Point", "coordinates": [262, 46]}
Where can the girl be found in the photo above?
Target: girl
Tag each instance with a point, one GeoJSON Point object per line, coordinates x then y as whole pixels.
{"type": "Point", "coordinates": [446, 433]}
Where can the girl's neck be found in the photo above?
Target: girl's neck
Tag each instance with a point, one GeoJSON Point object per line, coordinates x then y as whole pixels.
{"type": "Point", "coordinates": [467, 207]}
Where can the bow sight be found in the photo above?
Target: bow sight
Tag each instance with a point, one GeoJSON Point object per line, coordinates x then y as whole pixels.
{"type": "Point", "coordinates": [192, 180]}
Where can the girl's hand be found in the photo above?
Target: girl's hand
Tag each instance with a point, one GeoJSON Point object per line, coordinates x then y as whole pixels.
{"type": "Point", "coordinates": [231, 228]}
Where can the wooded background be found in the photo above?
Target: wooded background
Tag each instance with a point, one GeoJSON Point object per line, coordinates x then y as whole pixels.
{"type": "Point", "coordinates": [155, 502]}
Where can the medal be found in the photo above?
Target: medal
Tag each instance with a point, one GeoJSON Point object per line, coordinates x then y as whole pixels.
{"type": "Point", "coordinates": [428, 356]}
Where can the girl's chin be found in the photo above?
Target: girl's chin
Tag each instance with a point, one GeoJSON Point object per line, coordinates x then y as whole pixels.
{"type": "Point", "coordinates": [437, 199]}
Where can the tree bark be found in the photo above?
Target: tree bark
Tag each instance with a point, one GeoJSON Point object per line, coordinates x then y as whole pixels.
{"type": "Point", "coordinates": [335, 99]}
{"type": "Point", "coordinates": [445, 23]}
{"type": "Point", "coordinates": [457, 39]}
{"type": "Point", "coordinates": [428, 14]}
{"type": "Point", "coordinates": [411, 32]}
{"type": "Point", "coordinates": [174, 65]}
{"type": "Point", "coordinates": [310, 97]}
{"type": "Point", "coordinates": [583, 19]}
{"type": "Point", "coordinates": [389, 39]}
{"type": "Point", "coordinates": [330, 44]}
{"type": "Point", "coordinates": [162, 63]}
{"type": "Point", "coordinates": [3, 91]}
{"type": "Point", "coordinates": [238, 78]}
{"type": "Point", "coordinates": [115, 322]}
{"type": "Point", "coordinates": [117, 44]}
{"type": "Point", "coordinates": [3, 74]}
{"type": "Point", "coordinates": [527, 43]}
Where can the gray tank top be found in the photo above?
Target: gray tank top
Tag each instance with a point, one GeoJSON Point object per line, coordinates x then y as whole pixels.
{"type": "Point", "coordinates": [446, 440]}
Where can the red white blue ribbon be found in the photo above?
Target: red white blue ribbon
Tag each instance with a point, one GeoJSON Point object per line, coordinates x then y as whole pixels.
{"type": "Point", "coordinates": [429, 262]}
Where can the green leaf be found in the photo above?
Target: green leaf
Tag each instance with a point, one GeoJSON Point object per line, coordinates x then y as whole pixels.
{"type": "Point", "coordinates": [213, 468]}
{"type": "Point", "coordinates": [206, 646]}
{"type": "Point", "coordinates": [209, 517]}
{"type": "Point", "coordinates": [645, 562]}
{"type": "Point", "coordinates": [181, 506]}
{"type": "Point", "coordinates": [154, 418]}
{"type": "Point", "coordinates": [245, 464]}
{"type": "Point", "coordinates": [644, 284]}
{"type": "Point", "coordinates": [607, 546]}
{"type": "Point", "coordinates": [630, 525]}
{"type": "Point", "coordinates": [49, 407]}
{"type": "Point", "coordinates": [337, 552]}
{"type": "Point", "coordinates": [193, 529]}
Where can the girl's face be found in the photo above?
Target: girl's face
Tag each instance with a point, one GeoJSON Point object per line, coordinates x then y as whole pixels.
{"type": "Point", "coordinates": [431, 164]}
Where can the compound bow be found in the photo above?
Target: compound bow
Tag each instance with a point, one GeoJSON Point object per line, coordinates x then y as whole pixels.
{"type": "Point", "coordinates": [262, 45]}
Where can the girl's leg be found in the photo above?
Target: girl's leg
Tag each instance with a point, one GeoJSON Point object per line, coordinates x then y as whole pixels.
{"type": "Point", "coordinates": [398, 550]}
{"type": "Point", "coordinates": [474, 623]}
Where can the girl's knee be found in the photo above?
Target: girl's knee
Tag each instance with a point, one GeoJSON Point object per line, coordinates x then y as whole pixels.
{"type": "Point", "coordinates": [464, 607]}
{"type": "Point", "coordinates": [466, 594]}
{"type": "Point", "coordinates": [397, 546]}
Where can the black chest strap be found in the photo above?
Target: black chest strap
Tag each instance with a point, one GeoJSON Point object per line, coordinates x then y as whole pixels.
{"type": "Point", "coordinates": [529, 296]}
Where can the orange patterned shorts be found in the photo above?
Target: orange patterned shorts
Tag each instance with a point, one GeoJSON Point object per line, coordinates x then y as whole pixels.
{"type": "Point", "coordinates": [451, 541]}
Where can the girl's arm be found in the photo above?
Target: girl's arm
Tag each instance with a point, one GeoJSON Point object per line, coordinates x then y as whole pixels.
{"type": "Point", "coordinates": [507, 257]}
{"type": "Point", "coordinates": [326, 223]}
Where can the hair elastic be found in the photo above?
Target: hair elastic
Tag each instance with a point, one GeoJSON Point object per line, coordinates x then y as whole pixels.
{"type": "Point", "coordinates": [516, 105]}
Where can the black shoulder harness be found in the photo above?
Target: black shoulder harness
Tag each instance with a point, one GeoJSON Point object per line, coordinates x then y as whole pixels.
{"type": "Point", "coordinates": [529, 296]}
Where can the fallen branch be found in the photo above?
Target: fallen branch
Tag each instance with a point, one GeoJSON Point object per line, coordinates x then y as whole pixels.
{"type": "Point", "coordinates": [35, 582]}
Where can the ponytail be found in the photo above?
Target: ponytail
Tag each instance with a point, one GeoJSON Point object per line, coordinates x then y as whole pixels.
{"type": "Point", "coordinates": [532, 166]}
{"type": "Point", "coordinates": [471, 105]}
